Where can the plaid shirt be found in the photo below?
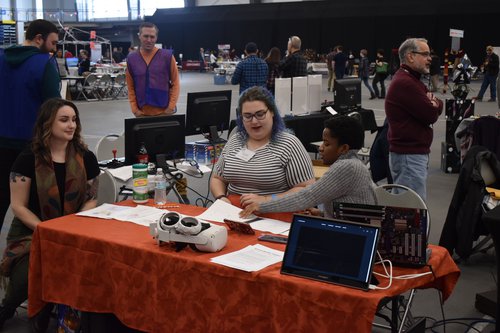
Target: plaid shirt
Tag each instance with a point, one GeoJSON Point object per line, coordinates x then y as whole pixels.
{"type": "Point", "coordinates": [294, 65]}
{"type": "Point", "coordinates": [250, 72]}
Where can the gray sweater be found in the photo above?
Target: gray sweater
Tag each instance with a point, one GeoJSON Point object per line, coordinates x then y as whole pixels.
{"type": "Point", "coordinates": [347, 180]}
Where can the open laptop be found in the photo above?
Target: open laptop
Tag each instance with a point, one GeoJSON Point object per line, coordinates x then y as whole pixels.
{"type": "Point", "coordinates": [403, 233]}
{"type": "Point", "coordinates": [330, 250]}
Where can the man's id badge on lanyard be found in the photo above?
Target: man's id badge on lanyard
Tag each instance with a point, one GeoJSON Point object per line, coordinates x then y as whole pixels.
{"type": "Point", "coordinates": [245, 154]}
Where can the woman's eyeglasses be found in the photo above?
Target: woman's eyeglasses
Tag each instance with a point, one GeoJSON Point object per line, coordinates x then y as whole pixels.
{"type": "Point", "coordinates": [259, 115]}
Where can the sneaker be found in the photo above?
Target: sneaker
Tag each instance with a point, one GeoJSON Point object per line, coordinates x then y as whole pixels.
{"type": "Point", "coordinates": [477, 99]}
{"type": "Point", "coordinates": [492, 100]}
{"type": "Point", "coordinates": [373, 97]}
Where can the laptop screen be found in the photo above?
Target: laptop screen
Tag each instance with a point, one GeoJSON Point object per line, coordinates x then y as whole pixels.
{"type": "Point", "coordinates": [330, 250]}
{"type": "Point", "coordinates": [72, 62]}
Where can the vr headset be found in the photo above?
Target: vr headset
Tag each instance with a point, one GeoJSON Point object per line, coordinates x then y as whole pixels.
{"type": "Point", "coordinates": [183, 230]}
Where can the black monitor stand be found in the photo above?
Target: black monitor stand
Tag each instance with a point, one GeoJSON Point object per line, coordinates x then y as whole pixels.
{"type": "Point", "coordinates": [212, 137]}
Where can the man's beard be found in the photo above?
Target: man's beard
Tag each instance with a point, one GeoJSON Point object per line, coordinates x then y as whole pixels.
{"type": "Point", "coordinates": [45, 49]}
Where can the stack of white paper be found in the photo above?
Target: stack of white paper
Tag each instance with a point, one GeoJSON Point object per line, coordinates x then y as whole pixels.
{"type": "Point", "coordinates": [250, 259]}
{"type": "Point", "coordinates": [142, 215]}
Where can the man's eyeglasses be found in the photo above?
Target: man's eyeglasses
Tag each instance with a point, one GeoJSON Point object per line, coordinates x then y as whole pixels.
{"type": "Point", "coordinates": [423, 54]}
{"type": "Point", "coordinates": [259, 115]}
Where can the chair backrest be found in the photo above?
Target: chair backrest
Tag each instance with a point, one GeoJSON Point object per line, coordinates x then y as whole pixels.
{"type": "Point", "coordinates": [233, 132]}
{"type": "Point", "coordinates": [355, 115]}
{"type": "Point", "coordinates": [105, 79]}
{"type": "Point", "coordinates": [400, 196]}
{"type": "Point", "coordinates": [120, 79]}
{"type": "Point", "coordinates": [487, 173]}
{"type": "Point", "coordinates": [90, 80]}
{"type": "Point", "coordinates": [107, 191]}
{"type": "Point", "coordinates": [105, 146]}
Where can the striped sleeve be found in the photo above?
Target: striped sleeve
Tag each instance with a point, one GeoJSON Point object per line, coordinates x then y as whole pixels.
{"type": "Point", "coordinates": [298, 168]}
{"type": "Point", "coordinates": [345, 181]}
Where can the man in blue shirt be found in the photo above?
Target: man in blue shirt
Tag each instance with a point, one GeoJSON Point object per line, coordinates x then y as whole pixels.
{"type": "Point", "coordinates": [252, 71]}
{"type": "Point", "coordinates": [29, 77]}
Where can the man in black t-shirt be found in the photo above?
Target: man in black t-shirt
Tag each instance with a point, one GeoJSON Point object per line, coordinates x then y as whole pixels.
{"type": "Point", "coordinates": [339, 63]}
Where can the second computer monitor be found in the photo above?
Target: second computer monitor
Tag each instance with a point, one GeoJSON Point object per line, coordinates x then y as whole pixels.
{"type": "Point", "coordinates": [206, 109]}
{"type": "Point", "coordinates": [160, 135]}
{"type": "Point", "coordinates": [347, 95]}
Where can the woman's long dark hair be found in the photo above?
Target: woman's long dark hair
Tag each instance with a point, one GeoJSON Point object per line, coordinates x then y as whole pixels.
{"type": "Point", "coordinates": [274, 56]}
{"type": "Point", "coordinates": [43, 129]}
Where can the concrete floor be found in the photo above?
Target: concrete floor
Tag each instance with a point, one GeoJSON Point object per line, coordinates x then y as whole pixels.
{"type": "Point", "coordinates": [478, 273]}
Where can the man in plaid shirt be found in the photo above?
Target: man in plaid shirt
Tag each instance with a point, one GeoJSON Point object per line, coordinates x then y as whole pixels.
{"type": "Point", "coordinates": [252, 71]}
{"type": "Point", "coordinates": [294, 64]}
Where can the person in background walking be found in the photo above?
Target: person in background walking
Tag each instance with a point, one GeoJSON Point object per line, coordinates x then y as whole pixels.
{"type": "Point", "coordinates": [381, 69]}
{"type": "Point", "coordinates": [364, 71]}
{"type": "Point", "coordinates": [329, 65]}
{"type": "Point", "coordinates": [490, 68]}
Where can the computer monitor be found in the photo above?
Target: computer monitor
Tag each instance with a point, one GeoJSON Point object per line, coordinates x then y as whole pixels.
{"type": "Point", "coordinates": [72, 62]}
{"type": "Point", "coordinates": [160, 135]}
{"type": "Point", "coordinates": [347, 95]}
{"type": "Point", "coordinates": [208, 109]}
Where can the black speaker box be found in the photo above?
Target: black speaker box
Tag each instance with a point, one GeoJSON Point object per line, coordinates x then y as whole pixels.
{"type": "Point", "coordinates": [456, 110]}
{"type": "Point", "coordinates": [450, 158]}
{"type": "Point", "coordinates": [451, 127]}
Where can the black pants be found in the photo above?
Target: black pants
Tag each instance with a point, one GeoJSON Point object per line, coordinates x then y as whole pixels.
{"type": "Point", "coordinates": [379, 78]}
{"type": "Point", "coordinates": [8, 156]}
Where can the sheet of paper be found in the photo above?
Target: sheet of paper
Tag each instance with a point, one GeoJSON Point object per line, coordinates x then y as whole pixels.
{"type": "Point", "coordinates": [123, 173]}
{"type": "Point", "coordinates": [142, 215]}
{"type": "Point", "coordinates": [331, 110]}
{"type": "Point", "coordinates": [271, 225]}
{"type": "Point", "coordinates": [251, 258]}
{"type": "Point", "coordinates": [221, 210]}
{"type": "Point", "coordinates": [105, 211]}
{"type": "Point", "coordinates": [205, 168]}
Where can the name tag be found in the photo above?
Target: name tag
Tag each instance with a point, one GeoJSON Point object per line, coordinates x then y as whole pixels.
{"type": "Point", "coordinates": [245, 154]}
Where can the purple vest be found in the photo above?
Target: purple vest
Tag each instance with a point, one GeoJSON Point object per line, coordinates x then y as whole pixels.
{"type": "Point", "coordinates": [151, 82]}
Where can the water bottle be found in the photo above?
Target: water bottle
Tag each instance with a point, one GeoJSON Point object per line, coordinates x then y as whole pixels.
{"type": "Point", "coordinates": [160, 188]}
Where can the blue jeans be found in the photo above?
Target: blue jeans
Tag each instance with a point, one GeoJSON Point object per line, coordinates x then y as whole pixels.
{"type": "Point", "coordinates": [365, 81]}
{"type": "Point", "coordinates": [410, 170]}
{"type": "Point", "coordinates": [492, 82]}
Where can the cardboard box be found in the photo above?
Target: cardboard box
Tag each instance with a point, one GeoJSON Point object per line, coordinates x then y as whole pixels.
{"type": "Point", "coordinates": [219, 79]}
{"type": "Point", "coordinates": [203, 153]}
{"type": "Point", "coordinates": [319, 168]}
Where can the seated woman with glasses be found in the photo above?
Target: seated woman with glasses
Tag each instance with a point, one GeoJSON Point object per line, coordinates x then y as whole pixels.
{"type": "Point", "coordinates": [347, 179]}
{"type": "Point", "coordinates": [261, 160]}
